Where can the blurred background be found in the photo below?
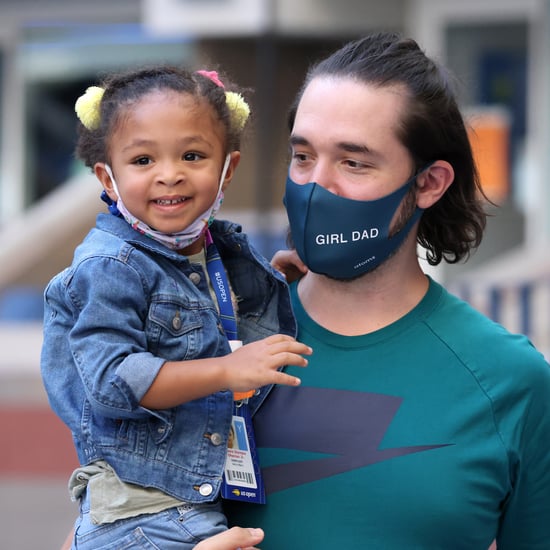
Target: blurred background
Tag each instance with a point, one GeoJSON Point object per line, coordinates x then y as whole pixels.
{"type": "Point", "coordinates": [51, 50]}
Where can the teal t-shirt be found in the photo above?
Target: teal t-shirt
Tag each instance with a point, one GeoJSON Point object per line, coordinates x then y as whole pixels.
{"type": "Point", "coordinates": [431, 433]}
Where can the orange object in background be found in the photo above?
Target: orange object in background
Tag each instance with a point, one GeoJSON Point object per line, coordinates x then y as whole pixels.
{"type": "Point", "coordinates": [489, 134]}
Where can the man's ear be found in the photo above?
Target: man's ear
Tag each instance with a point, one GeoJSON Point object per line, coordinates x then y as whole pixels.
{"type": "Point", "coordinates": [234, 159]}
{"type": "Point", "coordinates": [103, 176]}
{"type": "Point", "coordinates": [433, 182]}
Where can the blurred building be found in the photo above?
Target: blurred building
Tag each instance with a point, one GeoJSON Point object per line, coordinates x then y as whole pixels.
{"type": "Point", "coordinates": [51, 50]}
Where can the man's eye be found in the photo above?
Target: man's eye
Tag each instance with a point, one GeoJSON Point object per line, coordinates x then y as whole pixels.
{"type": "Point", "coordinates": [300, 157]}
{"type": "Point", "coordinates": [355, 164]}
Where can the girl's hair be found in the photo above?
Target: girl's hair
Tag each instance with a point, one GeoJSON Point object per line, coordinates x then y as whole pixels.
{"type": "Point", "coordinates": [124, 90]}
{"type": "Point", "coordinates": [432, 129]}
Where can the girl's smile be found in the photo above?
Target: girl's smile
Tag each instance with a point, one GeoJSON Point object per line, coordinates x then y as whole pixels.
{"type": "Point", "coordinates": [167, 155]}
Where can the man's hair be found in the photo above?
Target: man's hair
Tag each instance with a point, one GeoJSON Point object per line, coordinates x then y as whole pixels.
{"type": "Point", "coordinates": [432, 129]}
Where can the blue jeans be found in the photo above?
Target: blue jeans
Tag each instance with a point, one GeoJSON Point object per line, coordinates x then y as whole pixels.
{"type": "Point", "coordinates": [179, 528]}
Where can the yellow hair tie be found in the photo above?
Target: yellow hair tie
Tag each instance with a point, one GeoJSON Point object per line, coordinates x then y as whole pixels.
{"type": "Point", "coordinates": [87, 107]}
{"type": "Point", "coordinates": [238, 108]}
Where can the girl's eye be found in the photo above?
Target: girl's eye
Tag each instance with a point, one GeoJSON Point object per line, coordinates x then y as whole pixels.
{"type": "Point", "coordinates": [191, 156]}
{"type": "Point", "coordinates": [142, 161]}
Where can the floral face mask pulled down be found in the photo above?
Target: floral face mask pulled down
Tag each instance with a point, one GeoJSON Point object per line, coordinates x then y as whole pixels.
{"type": "Point", "coordinates": [175, 241]}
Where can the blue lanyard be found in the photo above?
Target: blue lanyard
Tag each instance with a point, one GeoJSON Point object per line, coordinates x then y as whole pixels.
{"type": "Point", "coordinates": [220, 283]}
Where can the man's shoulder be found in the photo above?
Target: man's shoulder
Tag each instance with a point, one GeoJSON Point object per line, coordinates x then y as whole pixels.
{"type": "Point", "coordinates": [480, 341]}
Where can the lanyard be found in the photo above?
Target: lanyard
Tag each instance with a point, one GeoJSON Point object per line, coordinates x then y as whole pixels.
{"type": "Point", "coordinates": [242, 479]}
{"type": "Point", "coordinates": [220, 283]}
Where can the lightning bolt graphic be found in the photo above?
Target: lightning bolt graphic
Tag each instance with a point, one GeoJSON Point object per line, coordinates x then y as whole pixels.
{"type": "Point", "coordinates": [349, 426]}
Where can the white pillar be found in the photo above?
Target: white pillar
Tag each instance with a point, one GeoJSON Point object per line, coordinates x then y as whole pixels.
{"type": "Point", "coordinates": [12, 114]}
{"type": "Point", "coordinates": [537, 178]}
{"type": "Point", "coordinates": [426, 21]}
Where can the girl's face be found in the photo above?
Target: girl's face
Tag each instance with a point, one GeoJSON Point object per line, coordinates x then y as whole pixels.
{"type": "Point", "coordinates": [167, 155]}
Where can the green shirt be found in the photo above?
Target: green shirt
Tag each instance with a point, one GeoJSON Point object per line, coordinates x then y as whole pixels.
{"type": "Point", "coordinates": [431, 433]}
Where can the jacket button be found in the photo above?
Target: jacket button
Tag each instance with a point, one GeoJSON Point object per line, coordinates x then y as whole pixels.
{"type": "Point", "coordinates": [216, 439]}
{"type": "Point", "coordinates": [206, 489]}
{"type": "Point", "coordinates": [176, 321]}
{"type": "Point", "coordinates": [195, 278]}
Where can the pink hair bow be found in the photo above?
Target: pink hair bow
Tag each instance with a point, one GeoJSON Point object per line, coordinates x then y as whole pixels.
{"type": "Point", "coordinates": [213, 76]}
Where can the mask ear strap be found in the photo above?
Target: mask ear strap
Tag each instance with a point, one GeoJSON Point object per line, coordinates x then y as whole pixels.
{"type": "Point", "coordinates": [111, 204]}
{"type": "Point", "coordinates": [224, 171]}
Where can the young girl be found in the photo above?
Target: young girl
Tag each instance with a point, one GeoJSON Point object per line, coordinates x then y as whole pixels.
{"type": "Point", "coordinates": [136, 357]}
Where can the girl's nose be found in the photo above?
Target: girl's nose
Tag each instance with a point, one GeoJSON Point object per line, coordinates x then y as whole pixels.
{"type": "Point", "coordinates": [170, 175]}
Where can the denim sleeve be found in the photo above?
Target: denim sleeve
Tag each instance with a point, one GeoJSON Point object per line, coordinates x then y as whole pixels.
{"type": "Point", "coordinates": [108, 340]}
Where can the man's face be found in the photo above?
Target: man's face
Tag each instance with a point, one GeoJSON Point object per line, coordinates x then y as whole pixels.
{"type": "Point", "coordinates": [345, 138]}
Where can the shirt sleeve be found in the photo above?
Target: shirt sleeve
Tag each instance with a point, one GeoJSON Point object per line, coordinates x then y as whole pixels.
{"type": "Point", "coordinates": [525, 523]}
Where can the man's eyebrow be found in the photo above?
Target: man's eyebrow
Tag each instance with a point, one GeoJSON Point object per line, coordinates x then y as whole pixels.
{"type": "Point", "coordinates": [348, 147]}
{"type": "Point", "coordinates": [297, 140]}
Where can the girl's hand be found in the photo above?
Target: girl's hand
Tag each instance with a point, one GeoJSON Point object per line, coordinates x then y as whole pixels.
{"type": "Point", "coordinates": [247, 368]}
{"type": "Point", "coordinates": [236, 538]}
{"type": "Point", "coordinates": [256, 364]}
{"type": "Point", "coordinates": [289, 264]}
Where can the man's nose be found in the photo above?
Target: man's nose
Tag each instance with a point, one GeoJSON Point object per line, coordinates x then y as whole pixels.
{"type": "Point", "coordinates": [325, 175]}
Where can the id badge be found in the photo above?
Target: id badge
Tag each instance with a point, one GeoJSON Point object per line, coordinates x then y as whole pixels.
{"type": "Point", "coordinates": [242, 479]}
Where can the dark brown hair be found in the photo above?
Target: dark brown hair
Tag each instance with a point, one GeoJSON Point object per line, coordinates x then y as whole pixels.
{"type": "Point", "coordinates": [432, 129]}
{"type": "Point", "coordinates": [125, 89]}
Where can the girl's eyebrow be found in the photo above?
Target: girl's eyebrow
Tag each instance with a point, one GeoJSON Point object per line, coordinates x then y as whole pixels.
{"type": "Point", "coordinates": [137, 143]}
{"type": "Point", "coordinates": [184, 142]}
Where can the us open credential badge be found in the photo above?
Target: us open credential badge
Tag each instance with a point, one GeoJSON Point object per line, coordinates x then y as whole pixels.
{"type": "Point", "coordinates": [242, 476]}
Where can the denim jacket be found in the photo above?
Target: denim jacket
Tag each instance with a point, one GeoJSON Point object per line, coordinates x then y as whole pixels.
{"type": "Point", "coordinates": [125, 306]}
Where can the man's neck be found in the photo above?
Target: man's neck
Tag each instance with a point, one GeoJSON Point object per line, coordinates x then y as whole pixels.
{"type": "Point", "coordinates": [366, 304]}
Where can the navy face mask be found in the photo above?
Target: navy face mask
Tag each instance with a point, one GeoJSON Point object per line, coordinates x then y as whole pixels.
{"type": "Point", "coordinates": [343, 238]}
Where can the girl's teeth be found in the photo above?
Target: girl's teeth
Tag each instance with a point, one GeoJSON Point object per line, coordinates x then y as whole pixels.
{"type": "Point", "coordinates": [168, 202]}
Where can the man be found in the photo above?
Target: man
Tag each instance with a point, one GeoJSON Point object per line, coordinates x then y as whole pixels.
{"type": "Point", "coordinates": [419, 423]}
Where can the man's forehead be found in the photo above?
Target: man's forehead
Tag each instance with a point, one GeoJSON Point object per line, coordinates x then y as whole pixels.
{"type": "Point", "coordinates": [352, 115]}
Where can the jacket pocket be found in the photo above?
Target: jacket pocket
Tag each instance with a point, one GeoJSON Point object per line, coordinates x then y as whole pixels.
{"type": "Point", "coordinates": [174, 329]}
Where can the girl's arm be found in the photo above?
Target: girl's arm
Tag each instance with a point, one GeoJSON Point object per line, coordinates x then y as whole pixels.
{"type": "Point", "coordinates": [247, 368]}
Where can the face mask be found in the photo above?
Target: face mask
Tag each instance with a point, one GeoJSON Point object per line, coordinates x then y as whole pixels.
{"type": "Point", "coordinates": [181, 239]}
{"type": "Point", "coordinates": [343, 238]}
